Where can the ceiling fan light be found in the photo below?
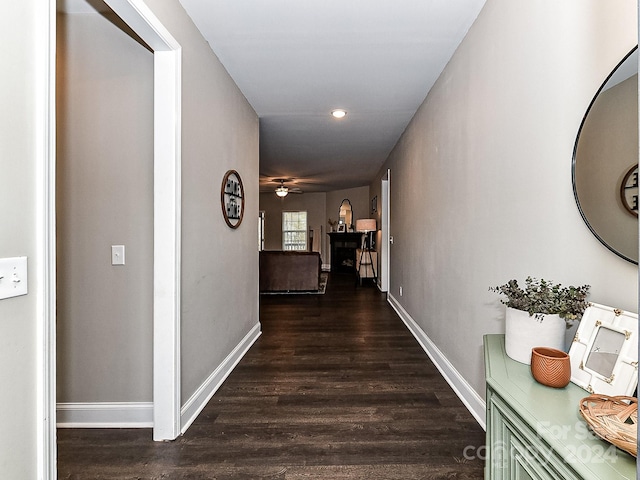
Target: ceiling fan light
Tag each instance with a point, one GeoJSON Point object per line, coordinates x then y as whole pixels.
{"type": "Point", "coordinates": [339, 113]}
{"type": "Point", "coordinates": [282, 191]}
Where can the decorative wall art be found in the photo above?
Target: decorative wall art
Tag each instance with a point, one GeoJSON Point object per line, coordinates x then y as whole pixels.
{"type": "Point", "coordinates": [604, 352]}
{"type": "Point", "coordinates": [232, 198]}
{"type": "Point", "coordinates": [629, 191]}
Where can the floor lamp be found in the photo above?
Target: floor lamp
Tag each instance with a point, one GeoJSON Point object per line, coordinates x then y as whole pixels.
{"type": "Point", "coordinates": [366, 226]}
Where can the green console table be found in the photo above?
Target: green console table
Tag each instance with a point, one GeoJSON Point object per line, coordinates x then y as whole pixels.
{"type": "Point", "coordinates": [537, 432]}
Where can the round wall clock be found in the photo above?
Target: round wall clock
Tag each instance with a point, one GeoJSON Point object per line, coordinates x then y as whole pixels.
{"type": "Point", "coordinates": [232, 198]}
{"type": "Point", "coordinates": [629, 191]}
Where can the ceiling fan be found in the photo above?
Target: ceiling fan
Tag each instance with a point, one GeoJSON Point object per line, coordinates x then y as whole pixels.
{"type": "Point", "coordinates": [282, 190]}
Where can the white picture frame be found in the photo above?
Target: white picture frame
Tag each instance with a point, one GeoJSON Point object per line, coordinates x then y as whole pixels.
{"type": "Point", "coordinates": [604, 351]}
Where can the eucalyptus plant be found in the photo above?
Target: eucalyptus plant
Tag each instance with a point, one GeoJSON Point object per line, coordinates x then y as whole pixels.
{"type": "Point", "coordinates": [541, 297]}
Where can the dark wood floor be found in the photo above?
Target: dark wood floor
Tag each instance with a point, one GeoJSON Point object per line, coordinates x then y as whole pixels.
{"type": "Point", "coordinates": [335, 388]}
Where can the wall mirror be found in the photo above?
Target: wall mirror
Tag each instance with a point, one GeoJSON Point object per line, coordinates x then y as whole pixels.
{"type": "Point", "coordinates": [605, 161]}
{"type": "Point", "coordinates": [345, 216]}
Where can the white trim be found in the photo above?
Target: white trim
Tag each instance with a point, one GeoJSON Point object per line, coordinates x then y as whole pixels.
{"type": "Point", "coordinates": [474, 402]}
{"type": "Point", "coordinates": [167, 212]}
{"type": "Point", "coordinates": [143, 21]}
{"type": "Point", "coordinates": [45, 265]}
{"type": "Point", "coordinates": [105, 415]}
{"type": "Point", "coordinates": [203, 394]}
{"type": "Point", "coordinates": [385, 245]}
{"type": "Point", "coordinates": [167, 246]}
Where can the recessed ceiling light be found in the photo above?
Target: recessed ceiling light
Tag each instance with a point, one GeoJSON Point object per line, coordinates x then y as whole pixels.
{"type": "Point", "coordinates": [339, 113]}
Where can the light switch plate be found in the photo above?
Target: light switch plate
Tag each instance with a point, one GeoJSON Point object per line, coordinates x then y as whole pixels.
{"type": "Point", "coordinates": [117, 254]}
{"type": "Point", "coordinates": [13, 277]}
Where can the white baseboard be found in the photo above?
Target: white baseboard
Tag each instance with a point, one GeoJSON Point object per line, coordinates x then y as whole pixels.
{"type": "Point", "coordinates": [474, 402]}
{"type": "Point", "coordinates": [140, 414]}
{"type": "Point", "coordinates": [192, 407]}
{"type": "Point", "coordinates": [105, 415]}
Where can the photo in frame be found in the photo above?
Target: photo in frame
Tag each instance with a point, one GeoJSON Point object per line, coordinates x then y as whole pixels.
{"type": "Point", "coordinates": [604, 351]}
{"type": "Point", "coordinates": [374, 204]}
{"type": "Point", "coordinates": [342, 228]}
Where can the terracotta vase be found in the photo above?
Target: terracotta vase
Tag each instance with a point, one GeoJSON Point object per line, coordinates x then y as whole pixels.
{"type": "Point", "coordinates": [551, 367]}
{"type": "Point", "coordinates": [524, 332]}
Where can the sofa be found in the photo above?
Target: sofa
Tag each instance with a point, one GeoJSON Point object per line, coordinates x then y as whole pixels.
{"type": "Point", "coordinates": [289, 271]}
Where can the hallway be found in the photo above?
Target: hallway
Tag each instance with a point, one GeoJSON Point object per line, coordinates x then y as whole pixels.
{"type": "Point", "coordinates": [335, 388]}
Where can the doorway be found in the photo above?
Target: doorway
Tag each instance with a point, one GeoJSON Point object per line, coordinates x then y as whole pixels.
{"type": "Point", "coordinates": [167, 63]}
{"type": "Point", "coordinates": [104, 199]}
{"type": "Point", "coordinates": [166, 233]}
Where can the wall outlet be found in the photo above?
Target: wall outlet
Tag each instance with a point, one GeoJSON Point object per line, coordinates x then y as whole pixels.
{"type": "Point", "coordinates": [400, 290]}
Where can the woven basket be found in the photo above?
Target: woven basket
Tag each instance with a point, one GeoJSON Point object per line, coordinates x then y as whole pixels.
{"type": "Point", "coordinates": [613, 419]}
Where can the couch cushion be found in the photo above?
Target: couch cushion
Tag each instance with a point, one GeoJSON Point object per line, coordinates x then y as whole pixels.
{"type": "Point", "coordinates": [289, 270]}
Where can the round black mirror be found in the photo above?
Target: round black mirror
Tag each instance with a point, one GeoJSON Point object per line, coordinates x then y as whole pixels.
{"type": "Point", "coordinates": [605, 161]}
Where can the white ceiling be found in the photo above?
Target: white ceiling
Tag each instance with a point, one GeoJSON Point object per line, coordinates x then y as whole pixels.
{"type": "Point", "coordinates": [296, 60]}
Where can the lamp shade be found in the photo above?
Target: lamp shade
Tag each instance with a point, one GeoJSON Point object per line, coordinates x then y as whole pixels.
{"type": "Point", "coordinates": [366, 225]}
{"type": "Point", "coordinates": [282, 191]}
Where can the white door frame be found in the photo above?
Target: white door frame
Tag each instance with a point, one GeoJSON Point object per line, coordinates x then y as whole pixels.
{"type": "Point", "coordinates": [167, 68]}
{"type": "Point", "coordinates": [386, 245]}
{"type": "Point", "coordinates": [45, 267]}
{"type": "Point", "coordinates": [167, 227]}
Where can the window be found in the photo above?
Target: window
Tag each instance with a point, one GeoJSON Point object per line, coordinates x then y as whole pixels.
{"type": "Point", "coordinates": [294, 230]}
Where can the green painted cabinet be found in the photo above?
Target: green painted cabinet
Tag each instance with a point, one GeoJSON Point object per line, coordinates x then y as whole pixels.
{"type": "Point", "coordinates": [536, 432]}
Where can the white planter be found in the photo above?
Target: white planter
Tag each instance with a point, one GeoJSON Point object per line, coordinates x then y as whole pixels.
{"type": "Point", "coordinates": [524, 332]}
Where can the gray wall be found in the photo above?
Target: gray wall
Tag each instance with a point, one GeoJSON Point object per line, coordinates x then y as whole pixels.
{"type": "Point", "coordinates": [104, 198]}
{"type": "Point", "coordinates": [320, 207]}
{"type": "Point", "coordinates": [273, 206]}
{"type": "Point", "coordinates": [219, 265]}
{"type": "Point", "coordinates": [481, 178]}
{"type": "Point", "coordinates": [358, 197]}
{"type": "Point", "coordinates": [106, 174]}
{"type": "Point", "coordinates": [21, 130]}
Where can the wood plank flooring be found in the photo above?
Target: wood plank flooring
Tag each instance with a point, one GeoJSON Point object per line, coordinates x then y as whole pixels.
{"type": "Point", "coordinates": [335, 388]}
